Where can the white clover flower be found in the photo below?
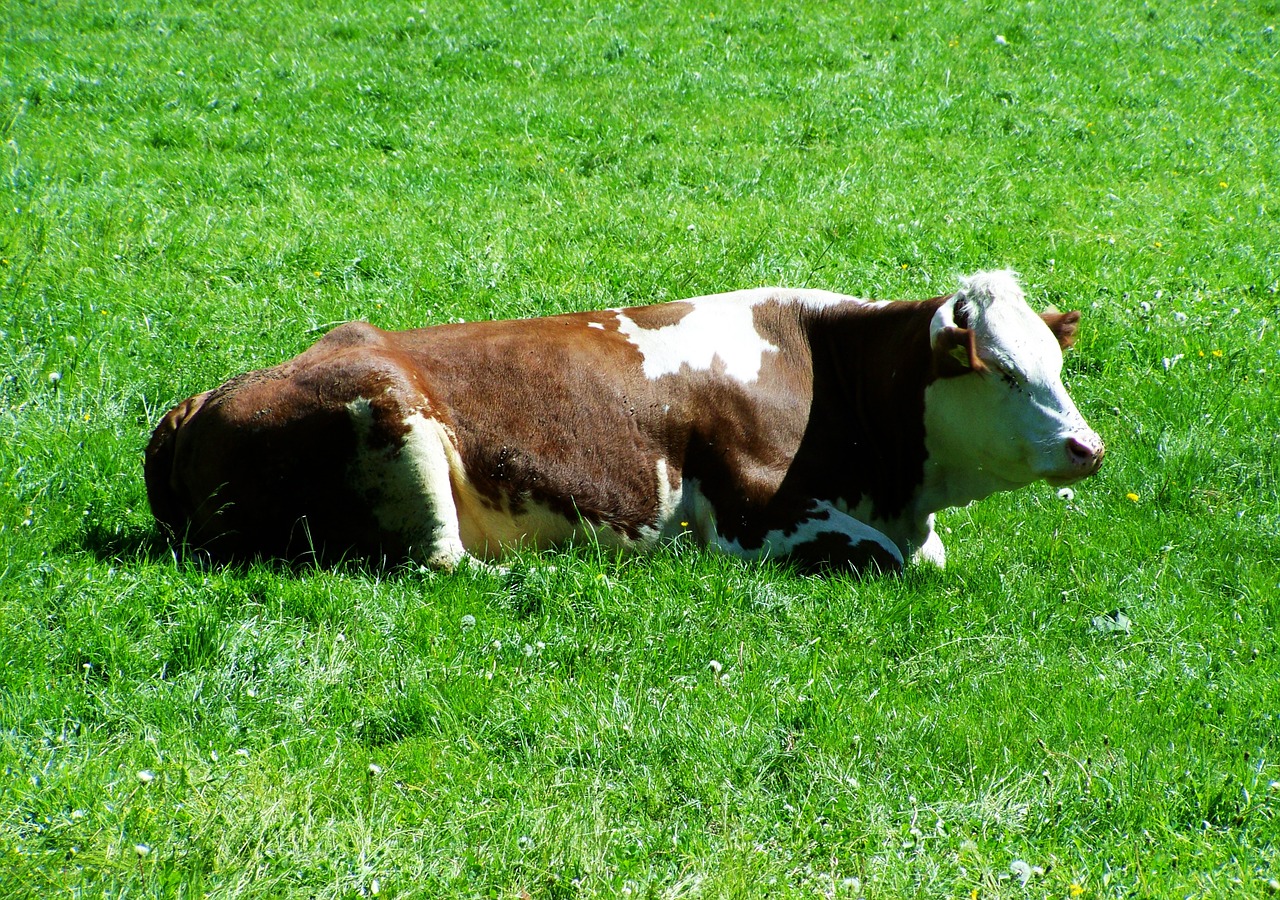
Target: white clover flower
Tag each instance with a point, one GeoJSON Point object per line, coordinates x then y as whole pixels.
{"type": "Point", "coordinates": [468, 621]}
{"type": "Point", "coordinates": [1066, 495]}
{"type": "Point", "coordinates": [141, 849]}
{"type": "Point", "coordinates": [146, 776]}
{"type": "Point", "coordinates": [716, 667]}
{"type": "Point", "coordinates": [375, 770]}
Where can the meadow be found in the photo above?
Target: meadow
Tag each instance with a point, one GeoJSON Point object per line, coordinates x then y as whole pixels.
{"type": "Point", "coordinates": [1085, 703]}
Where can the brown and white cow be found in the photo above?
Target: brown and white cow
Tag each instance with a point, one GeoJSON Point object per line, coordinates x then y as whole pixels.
{"type": "Point", "coordinates": [796, 424]}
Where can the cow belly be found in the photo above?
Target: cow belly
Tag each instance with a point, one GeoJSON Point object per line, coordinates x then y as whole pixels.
{"type": "Point", "coordinates": [490, 526]}
{"type": "Point", "coordinates": [490, 530]}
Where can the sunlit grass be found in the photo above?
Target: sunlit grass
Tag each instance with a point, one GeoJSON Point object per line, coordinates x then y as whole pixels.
{"type": "Point", "coordinates": [191, 191]}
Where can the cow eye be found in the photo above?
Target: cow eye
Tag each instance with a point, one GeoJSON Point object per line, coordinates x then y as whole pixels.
{"type": "Point", "coordinates": [1004, 373]}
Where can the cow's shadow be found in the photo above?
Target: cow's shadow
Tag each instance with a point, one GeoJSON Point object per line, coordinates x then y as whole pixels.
{"type": "Point", "coordinates": [131, 544]}
{"type": "Point", "coordinates": [142, 545]}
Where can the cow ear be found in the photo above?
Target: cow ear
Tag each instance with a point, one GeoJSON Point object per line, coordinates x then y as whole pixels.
{"type": "Point", "coordinates": [955, 352]}
{"type": "Point", "coordinates": [1063, 325]}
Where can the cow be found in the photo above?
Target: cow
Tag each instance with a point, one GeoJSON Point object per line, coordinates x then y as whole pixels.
{"type": "Point", "coordinates": [799, 425]}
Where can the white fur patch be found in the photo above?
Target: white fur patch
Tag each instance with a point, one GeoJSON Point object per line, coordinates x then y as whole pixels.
{"type": "Point", "coordinates": [670, 500]}
{"type": "Point", "coordinates": [716, 329]}
{"type": "Point", "coordinates": [719, 330]}
{"type": "Point", "coordinates": [412, 483]}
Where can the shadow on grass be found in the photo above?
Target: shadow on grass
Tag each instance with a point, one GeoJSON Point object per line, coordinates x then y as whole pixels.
{"type": "Point", "coordinates": [151, 545]}
{"type": "Point", "coordinates": [132, 544]}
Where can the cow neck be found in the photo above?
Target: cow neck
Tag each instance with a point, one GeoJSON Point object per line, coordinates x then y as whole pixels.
{"type": "Point", "coordinates": [872, 364]}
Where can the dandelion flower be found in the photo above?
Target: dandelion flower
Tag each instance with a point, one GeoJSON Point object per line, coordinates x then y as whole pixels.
{"type": "Point", "coordinates": [1132, 497]}
{"type": "Point", "coordinates": [1075, 890]}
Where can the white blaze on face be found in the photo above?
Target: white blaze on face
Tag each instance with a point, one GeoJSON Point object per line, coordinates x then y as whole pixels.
{"type": "Point", "coordinates": [1015, 423]}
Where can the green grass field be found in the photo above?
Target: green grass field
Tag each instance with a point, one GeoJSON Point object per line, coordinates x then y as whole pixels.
{"type": "Point", "coordinates": [190, 190]}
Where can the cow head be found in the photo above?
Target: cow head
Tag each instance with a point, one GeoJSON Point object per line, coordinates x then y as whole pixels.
{"type": "Point", "coordinates": [998, 417]}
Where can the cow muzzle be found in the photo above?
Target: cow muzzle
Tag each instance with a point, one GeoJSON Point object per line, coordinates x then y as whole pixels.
{"type": "Point", "coordinates": [1083, 455]}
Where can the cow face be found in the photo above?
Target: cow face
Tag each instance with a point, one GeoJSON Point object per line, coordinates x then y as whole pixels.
{"type": "Point", "coordinates": [998, 416]}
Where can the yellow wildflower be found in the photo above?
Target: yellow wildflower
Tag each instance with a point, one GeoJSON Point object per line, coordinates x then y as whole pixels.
{"type": "Point", "coordinates": [1131, 496]}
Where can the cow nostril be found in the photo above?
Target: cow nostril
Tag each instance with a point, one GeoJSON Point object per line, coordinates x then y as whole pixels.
{"type": "Point", "coordinates": [1082, 453]}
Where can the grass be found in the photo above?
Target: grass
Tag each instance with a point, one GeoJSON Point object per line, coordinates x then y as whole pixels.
{"type": "Point", "coordinates": [191, 190]}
